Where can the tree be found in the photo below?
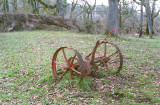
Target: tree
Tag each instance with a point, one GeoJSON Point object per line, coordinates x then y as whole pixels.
{"type": "Point", "coordinates": [120, 17]}
{"type": "Point", "coordinates": [47, 5]}
{"type": "Point", "coordinates": [59, 8]}
{"type": "Point", "coordinates": [0, 5]}
{"type": "Point", "coordinates": [152, 12]}
{"type": "Point", "coordinates": [35, 6]}
{"type": "Point", "coordinates": [14, 5]}
{"type": "Point", "coordinates": [21, 21]}
{"type": "Point", "coordinates": [74, 4]}
{"type": "Point", "coordinates": [89, 9]}
{"type": "Point", "coordinates": [5, 5]}
{"type": "Point", "coordinates": [112, 23]}
{"type": "Point", "coordinates": [148, 13]}
{"type": "Point", "coordinates": [141, 20]}
{"type": "Point", "coordinates": [153, 16]}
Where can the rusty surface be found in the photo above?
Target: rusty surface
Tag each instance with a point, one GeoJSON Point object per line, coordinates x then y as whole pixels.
{"type": "Point", "coordinates": [80, 67]}
{"type": "Point", "coordinates": [103, 58]}
{"type": "Point", "coordinates": [83, 67]}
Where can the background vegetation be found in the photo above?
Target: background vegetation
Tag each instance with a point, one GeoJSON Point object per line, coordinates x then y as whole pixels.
{"type": "Point", "coordinates": [91, 18]}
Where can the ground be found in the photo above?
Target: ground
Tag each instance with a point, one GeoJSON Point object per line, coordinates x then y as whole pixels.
{"type": "Point", "coordinates": [26, 75]}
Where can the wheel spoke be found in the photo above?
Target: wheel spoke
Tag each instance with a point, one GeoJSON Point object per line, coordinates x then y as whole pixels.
{"type": "Point", "coordinates": [109, 56]}
{"type": "Point", "coordinates": [114, 60]}
{"type": "Point", "coordinates": [62, 74]}
{"type": "Point", "coordinates": [75, 71]}
{"type": "Point", "coordinates": [99, 54]}
{"type": "Point", "coordinates": [70, 74]}
{"type": "Point", "coordinates": [113, 64]}
{"type": "Point", "coordinates": [65, 57]}
{"type": "Point", "coordinates": [64, 62]}
{"type": "Point", "coordinates": [113, 54]}
{"type": "Point", "coordinates": [60, 64]}
{"type": "Point", "coordinates": [73, 60]}
{"type": "Point", "coordinates": [105, 49]}
{"type": "Point", "coordinates": [106, 66]}
{"type": "Point", "coordinates": [103, 63]}
{"type": "Point", "coordinates": [60, 71]}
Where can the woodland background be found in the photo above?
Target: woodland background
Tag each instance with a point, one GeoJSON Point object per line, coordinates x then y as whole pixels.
{"type": "Point", "coordinates": [125, 16]}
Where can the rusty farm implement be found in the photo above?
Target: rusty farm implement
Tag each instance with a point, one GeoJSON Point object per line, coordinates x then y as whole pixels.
{"type": "Point", "coordinates": [105, 56]}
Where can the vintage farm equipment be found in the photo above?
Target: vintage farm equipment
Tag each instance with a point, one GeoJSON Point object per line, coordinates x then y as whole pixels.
{"type": "Point", "coordinates": [105, 56]}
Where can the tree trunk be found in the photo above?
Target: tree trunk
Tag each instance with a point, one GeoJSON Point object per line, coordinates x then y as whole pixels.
{"type": "Point", "coordinates": [147, 29]}
{"type": "Point", "coordinates": [15, 6]}
{"type": "Point", "coordinates": [17, 21]}
{"type": "Point", "coordinates": [141, 20]}
{"type": "Point", "coordinates": [120, 17]}
{"type": "Point", "coordinates": [37, 7]}
{"type": "Point", "coordinates": [149, 21]}
{"type": "Point", "coordinates": [59, 8]}
{"type": "Point", "coordinates": [0, 5]}
{"type": "Point", "coordinates": [84, 12]}
{"type": "Point", "coordinates": [74, 4]}
{"type": "Point", "coordinates": [71, 14]}
{"type": "Point", "coordinates": [112, 23]}
{"type": "Point", "coordinates": [152, 15]}
{"type": "Point", "coordinates": [5, 6]}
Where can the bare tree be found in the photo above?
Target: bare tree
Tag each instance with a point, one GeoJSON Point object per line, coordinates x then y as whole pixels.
{"type": "Point", "coordinates": [112, 23]}
{"type": "Point", "coordinates": [47, 5]}
{"type": "Point", "coordinates": [141, 20]}
{"type": "Point", "coordinates": [14, 5]}
{"type": "Point", "coordinates": [149, 21]}
{"type": "Point", "coordinates": [152, 12]}
{"type": "Point", "coordinates": [35, 6]}
{"type": "Point", "coordinates": [5, 5]}
{"type": "Point", "coordinates": [153, 16]}
{"type": "Point", "coordinates": [89, 9]}
{"type": "Point", "coordinates": [120, 17]}
{"type": "Point", "coordinates": [21, 21]}
{"type": "Point", "coordinates": [0, 5]}
{"type": "Point", "coordinates": [60, 8]}
{"type": "Point", "coordinates": [74, 4]}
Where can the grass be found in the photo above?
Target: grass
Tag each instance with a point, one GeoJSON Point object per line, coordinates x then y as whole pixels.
{"type": "Point", "coordinates": [26, 75]}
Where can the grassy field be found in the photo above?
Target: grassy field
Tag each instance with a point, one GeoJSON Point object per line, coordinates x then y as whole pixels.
{"type": "Point", "coordinates": [26, 75]}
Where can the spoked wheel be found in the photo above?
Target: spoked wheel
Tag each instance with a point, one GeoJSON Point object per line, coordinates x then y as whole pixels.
{"type": "Point", "coordinates": [107, 55]}
{"type": "Point", "coordinates": [66, 59]}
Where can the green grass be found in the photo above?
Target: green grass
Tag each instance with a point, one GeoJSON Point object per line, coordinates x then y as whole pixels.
{"type": "Point", "coordinates": [26, 75]}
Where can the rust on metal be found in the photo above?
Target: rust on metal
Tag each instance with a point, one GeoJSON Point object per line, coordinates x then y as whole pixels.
{"type": "Point", "coordinates": [105, 54]}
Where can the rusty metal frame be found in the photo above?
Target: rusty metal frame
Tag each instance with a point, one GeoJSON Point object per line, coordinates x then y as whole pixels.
{"type": "Point", "coordinates": [85, 65]}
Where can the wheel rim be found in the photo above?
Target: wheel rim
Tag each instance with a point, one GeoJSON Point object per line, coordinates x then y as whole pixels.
{"type": "Point", "coordinates": [66, 59]}
{"type": "Point", "coordinates": [107, 55]}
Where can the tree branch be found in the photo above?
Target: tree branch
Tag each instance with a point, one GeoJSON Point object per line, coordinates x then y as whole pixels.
{"type": "Point", "coordinates": [155, 15]}
{"type": "Point", "coordinates": [139, 3]}
{"type": "Point", "coordinates": [46, 5]}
